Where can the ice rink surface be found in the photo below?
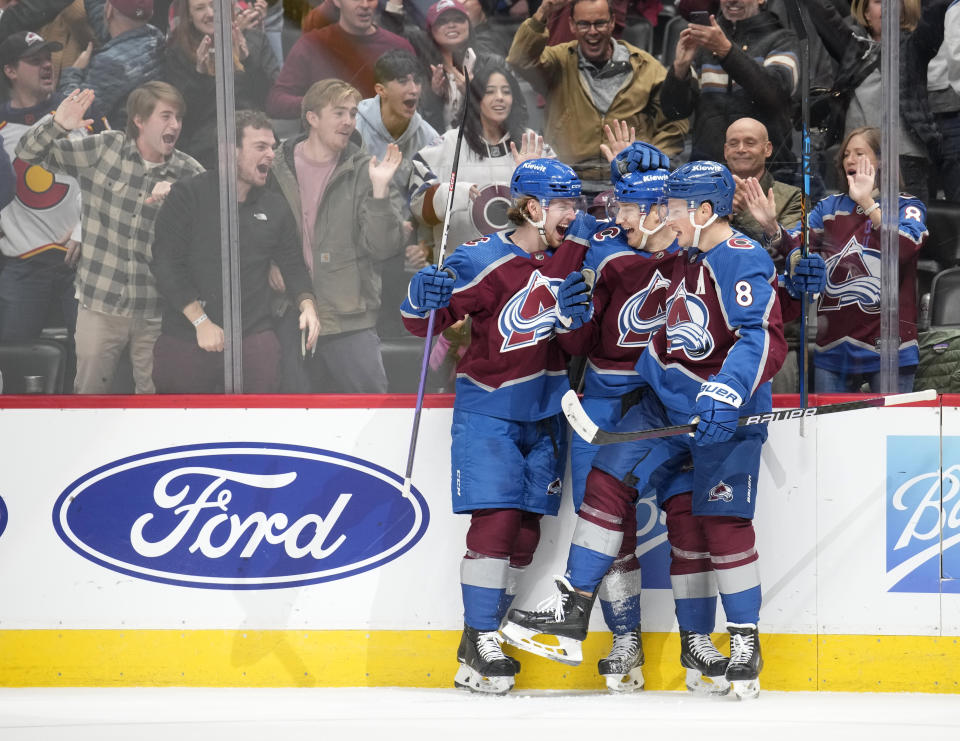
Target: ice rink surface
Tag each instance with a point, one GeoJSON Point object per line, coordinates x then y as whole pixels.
{"type": "Point", "coordinates": [184, 714]}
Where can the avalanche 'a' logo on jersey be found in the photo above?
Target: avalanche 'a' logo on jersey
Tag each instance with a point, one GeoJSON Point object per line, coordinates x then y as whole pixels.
{"type": "Point", "coordinates": [643, 313]}
{"type": "Point", "coordinates": [853, 278]}
{"type": "Point", "coordinates": [529, 316]}
{"type": "Point", "coordinates": [687, 322]}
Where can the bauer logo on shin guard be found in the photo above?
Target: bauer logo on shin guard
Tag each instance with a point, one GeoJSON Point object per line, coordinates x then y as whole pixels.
{"type": "Point", "coordinates": [240, 516]}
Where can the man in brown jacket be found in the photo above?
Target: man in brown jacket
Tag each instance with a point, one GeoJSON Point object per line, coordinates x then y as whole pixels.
{"type": "Point", "coordinates": [591, 82]}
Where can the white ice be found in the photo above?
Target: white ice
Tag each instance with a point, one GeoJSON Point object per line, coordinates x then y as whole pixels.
{"type": "Point", "coordinates": [185, 714]}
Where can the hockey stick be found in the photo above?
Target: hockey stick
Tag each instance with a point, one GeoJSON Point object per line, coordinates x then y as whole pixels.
{"type": "Point", "coordinates": [799, 22]}
{"type": "Point", "coordinates": [589, 430]}
{"type": "Point", "coordinates": [411, 452]}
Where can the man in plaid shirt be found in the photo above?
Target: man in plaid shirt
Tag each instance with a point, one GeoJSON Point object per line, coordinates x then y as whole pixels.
{"type": "Point", "coordinates": [124, 177]}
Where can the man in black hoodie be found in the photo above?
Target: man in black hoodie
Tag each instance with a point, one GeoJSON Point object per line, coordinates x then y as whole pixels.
{"type": "Point", "coordinates": [743, 63]}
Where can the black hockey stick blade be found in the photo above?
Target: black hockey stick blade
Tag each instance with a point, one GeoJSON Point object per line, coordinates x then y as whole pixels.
{"type": "Point", "coordinates": [589, 430]}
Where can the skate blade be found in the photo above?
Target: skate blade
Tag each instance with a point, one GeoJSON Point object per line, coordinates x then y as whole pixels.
{"type": "Point", "coordinates": [632, 681]}
{"type": "Point", "coordinates": [566, 650]}
{"type": "Point", "coordinates": [472, 681]}
{"type": "Point", "coordinates": [703, 685]}
{"type": "Point", "coordinates": [746, 689]}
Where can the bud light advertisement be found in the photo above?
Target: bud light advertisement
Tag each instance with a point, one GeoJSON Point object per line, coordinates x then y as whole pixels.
{"type": "Point", "coordinates": [240, 516]}
{"type": "Point", "coordinates": [923, 514]}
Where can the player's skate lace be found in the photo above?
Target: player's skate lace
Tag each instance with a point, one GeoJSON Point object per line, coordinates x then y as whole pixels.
{"type": "Point", "coordinates": [624, 647]}
{"type": "Point", "coordinates": [488, 646]}
{"type": "Point", "coordinates": [556, 602]}
{"type": "Point", "coordinates": [703, 649]}
{"type": "Point", "coordinates": [741, 648]}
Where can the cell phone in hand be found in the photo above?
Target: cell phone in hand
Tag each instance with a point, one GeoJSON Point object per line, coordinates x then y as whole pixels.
{"type": "Point", "coordinates": [699, 17]}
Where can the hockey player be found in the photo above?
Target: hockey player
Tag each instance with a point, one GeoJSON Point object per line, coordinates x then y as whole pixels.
{"type": "Point", "coordinates": [508, 436]}
{"type": "Point", "coordinates": [710, 363]}
{"type": "Point", "coordinates": [631, 260]}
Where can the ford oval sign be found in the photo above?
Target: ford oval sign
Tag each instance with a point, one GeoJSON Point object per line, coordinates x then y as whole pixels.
{"type": "Point", "coordinates": [3, 516]}
{"type": "Point", "coordinates": [240, 516]}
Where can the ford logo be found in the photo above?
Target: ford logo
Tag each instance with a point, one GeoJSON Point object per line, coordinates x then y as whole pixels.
{"type": "Point", "coordinates": [240, 516]}
{"type": "Point", "coordinates": [3, 516]}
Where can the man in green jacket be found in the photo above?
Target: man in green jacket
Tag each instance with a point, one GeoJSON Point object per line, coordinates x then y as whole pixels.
{"type": "Point", "coordinates": [340, 198]}
{"type": "Point", "coordinates": [592, 82]}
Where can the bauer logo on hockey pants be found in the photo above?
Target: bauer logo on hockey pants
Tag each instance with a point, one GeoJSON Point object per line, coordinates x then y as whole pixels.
{"type": "Point", "coordinates": [923, 514]}
{"type": "Point", "coordinates": [240, 516]}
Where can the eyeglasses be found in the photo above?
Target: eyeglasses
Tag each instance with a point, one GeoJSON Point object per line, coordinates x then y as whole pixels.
{"type": "Point", "coordinates": [585, 26]}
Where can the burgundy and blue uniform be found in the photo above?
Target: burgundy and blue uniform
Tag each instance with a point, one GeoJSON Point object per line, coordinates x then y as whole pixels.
{"type": "Point", "coordinates": [629, 300]}
{"type": "Point", "coordinates": [509, 435]}
{"type": "Point", "coordinates": [849, 308]}
{"type": "Point", "coordinates": [722, 325]}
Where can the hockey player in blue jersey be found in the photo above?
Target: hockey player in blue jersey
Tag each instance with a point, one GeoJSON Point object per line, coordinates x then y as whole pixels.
{"type": "Point", "coordinates": [509, 435]}
{"type": "Point", "coordinates": [712, 360]}
{"type": "Point", "coordinates": [631, 258]}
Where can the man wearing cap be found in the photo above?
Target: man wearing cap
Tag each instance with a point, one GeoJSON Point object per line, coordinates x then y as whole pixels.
{"type": "Point", "coordinates": [36, 225]}
{"type": "Point", "coordinates": [130, 54]}
{"type": "Point", "coordinates": [346, 50]}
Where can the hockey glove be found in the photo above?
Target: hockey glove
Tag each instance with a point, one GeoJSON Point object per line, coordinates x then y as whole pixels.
{"type": "Point", "coordinates": [638, 157]}
{"type": "Point", "coordinates": [805, 275]}
{"type": "Point", "coordinates": [430, 288]}
{"type": "Point", "coordinates": [717, 413]}
{"type": "Point", "coordinates": [574, 307]}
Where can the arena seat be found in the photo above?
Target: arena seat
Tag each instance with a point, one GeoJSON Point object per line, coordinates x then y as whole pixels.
{"type": "Point", "coordinates": [402, 358]}
{"type": "Point", "coordinates": [41, 357]}
{"type": "Point", "coordinates": [942, 248]}
{"type": "Point", "coordinates": [670, 35]}
{"type": "Point", "coordinates": [638, 32]}
{"type": "Point", "coordinates": [945, 299]}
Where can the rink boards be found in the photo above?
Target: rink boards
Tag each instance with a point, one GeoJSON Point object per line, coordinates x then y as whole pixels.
{"type": "Point", "coordinates": [252, 542]}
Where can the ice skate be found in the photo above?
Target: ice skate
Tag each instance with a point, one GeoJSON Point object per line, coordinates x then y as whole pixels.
{"type": "Point", "coordinates": [743, 671]}
{"type": "Point", "coordinates": [483, 665]}
{"type": "Point", "coordinates": [564, 616]}
{"type": "Point", "coordinates": [623, 666]}
{"type": "Point", "coordinates": [706, 666]}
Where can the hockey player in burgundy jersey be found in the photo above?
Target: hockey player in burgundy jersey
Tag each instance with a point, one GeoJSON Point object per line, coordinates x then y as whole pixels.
{"type": "Point", "coordinates": [509, 435]}
{"type": "Point", "coordinates": [711, 362]}
{"type": "Point", "coordinates": [631, 258]}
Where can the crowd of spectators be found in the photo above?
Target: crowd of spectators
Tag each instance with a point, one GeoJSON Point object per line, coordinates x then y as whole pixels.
{"type": "Point", "coordinates": [348, 115]}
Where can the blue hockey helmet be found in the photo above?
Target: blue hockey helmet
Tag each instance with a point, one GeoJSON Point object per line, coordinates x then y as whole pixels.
{"type": "Point", "coordinates": [544, 179]}
{"type": "Point", "coordinates": [642, 188]}
{"type": "Point", "coordinates": [702, 180]}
